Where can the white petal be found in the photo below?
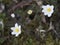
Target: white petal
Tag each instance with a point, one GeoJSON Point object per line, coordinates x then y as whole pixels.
{"type": "Point", "coordinates": [52, 6]}
{"type": "Point", "coordinates": [17, 35]}
{"type": "Point", "coordinates": [45, 13]}
{"type": "Point", "coordinates": [48, 5]}
{"type": "Point", "coordinates": [49, 15]}
{"type": "Point", "coordinates": [16, 25]}
{"type": "Point", "coordinates": [19, 26]}
{"type": "Point", "coordinates": [12, 28]}
{"type": "Point", "coordinates": [13, 33]}
{"type": "Point", "coordinates": [52, 11]}
{"type": "Point", "coordinates": [20, 32]}
{"type": "Point", "coordinates": [43, 6]}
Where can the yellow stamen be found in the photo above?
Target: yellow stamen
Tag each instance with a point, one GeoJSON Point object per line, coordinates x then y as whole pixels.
{"type": "Point", "coordinates": [49, 9]}
{"type": "Point", "coordinates": [16, 30]}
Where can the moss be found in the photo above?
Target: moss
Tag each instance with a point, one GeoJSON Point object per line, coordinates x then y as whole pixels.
{"type": "Point", "coordinates": [30, 23]}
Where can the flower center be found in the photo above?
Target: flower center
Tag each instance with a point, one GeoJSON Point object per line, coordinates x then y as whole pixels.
{"type": "Point", "coordinates": [16, 30]}
{"type": "Point", "coordinates": [49, 9]}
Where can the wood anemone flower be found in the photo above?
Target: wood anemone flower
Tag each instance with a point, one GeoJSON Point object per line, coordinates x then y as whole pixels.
{"type": "Point", "coordinates": [16, 30]}
{"type": "Point", "coordinates": [48, 10]}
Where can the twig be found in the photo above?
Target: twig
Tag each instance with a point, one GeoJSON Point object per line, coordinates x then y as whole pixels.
{"type": "Point", "coordinates": [51, 28]}
{"type": "Point", "coordinates": [20, 5]}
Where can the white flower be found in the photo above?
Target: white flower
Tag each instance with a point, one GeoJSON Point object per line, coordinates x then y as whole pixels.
{"type": "Point", "coordinates": [12, 15]}
{"type": "Point", "coordinates": [48, 10]}
{"type": "Point", "coordinates": [29, 12]}
{"type": "Point", "coordinates": [16, 30]}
